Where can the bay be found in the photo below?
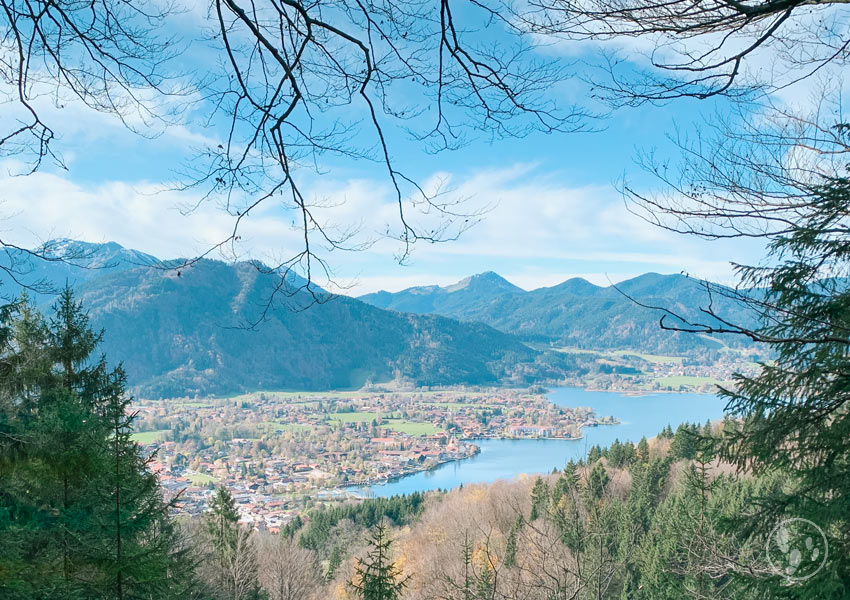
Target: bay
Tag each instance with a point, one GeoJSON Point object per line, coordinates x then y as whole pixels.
{"type": "Point", "coordinates": [639, 416]}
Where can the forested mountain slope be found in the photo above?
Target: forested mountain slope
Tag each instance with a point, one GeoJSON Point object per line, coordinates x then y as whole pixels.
{"type": "Point", "coordinates": [187, 334]}
{"type": "Point", "coordinates": [575, 312]}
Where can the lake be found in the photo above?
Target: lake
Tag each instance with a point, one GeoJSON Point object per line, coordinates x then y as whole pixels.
{"type": "Point", "coordinates": [504, 459]}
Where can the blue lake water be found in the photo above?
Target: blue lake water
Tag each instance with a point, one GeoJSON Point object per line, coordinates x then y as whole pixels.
{"type": "Point", "coordinates": [504, 459]}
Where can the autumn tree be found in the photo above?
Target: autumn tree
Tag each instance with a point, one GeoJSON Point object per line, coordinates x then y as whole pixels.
{"type": "Point", "coordinates": [286, 571]}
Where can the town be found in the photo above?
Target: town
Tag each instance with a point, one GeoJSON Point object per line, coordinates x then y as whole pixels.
{"type": "Point", "coordinates": [284, 453]}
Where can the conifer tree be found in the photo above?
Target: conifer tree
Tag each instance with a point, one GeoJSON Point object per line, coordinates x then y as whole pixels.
{"type": "Point", "coordinates": [485, 585]}
{"type": "Point", "coordinates": [601, 531]}
{"type": "Point", "coordinates": [511, 543]}
{"type": "Point", "coordinates": [468, 578]}
{"type": "Point", "coordinates": [693, 548]}
{"type": "Point", "coordinates": [376, 576]}
{"type": "Point", "coordinates": [81, 516]}
{"type": "Point", "coordinates": [221, 522]}
{"type": "Point", "coordinates": [685, 441]}
{"type": "Point", "coordinates": [144, 542]}
{"type": "Point", "coordinates": [792, 416]}
{"type": "Point", "coordinates": [539, 499]}
{"type": "Point", "coordinates": [666, 432]}
{"type": "Point", "coordinates": [230, 566]}
{"type": "Point", "coordinates": [334, 561]}
{"type": "Point", "coordinates": [594, 454]}
{"type": "Point", "coordinates": [642, 450]}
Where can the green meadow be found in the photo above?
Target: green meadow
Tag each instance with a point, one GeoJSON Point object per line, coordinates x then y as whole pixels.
{"type": "Point", "coordinates": [148, 437]}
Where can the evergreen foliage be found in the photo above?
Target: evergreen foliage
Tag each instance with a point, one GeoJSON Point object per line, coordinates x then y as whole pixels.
{"type": "Point", "coordinates": [397, 510]}
{"type": "Point", "coordinates": [221, 522]}
{"type": "Point", "coordinates": [229, 556]}
{"type": "Point", "coordinates": [376, 576]}
{"type": "Point", "coordinates": [670, 534]}
{"type": "Point", "coordinates": [81, 515]}
{"type": "Point", "coordinates": [796, 410]}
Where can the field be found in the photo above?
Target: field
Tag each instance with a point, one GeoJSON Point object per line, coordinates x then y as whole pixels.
{"type": "Point", "coordinates": [678, 381]}
{"type": "Point", "coordinates": [201, 478]}
{"type": "Point", "coordinates": [148, 437]}
{"type": "Point", "coordinates": [620, 354]}
{"type": "Point", "coordinates": [294, 396]}
{"type": "Point", "coordinates": [354, 417]}
{"type": "Point", "coordinates": [400, 425]}
{"type": "Point", "coordinates": [566, 349]}
{"type": "Point", "coordinates": [306, 397]}
{"type": "Point", "coordinates": [653, 358]}
{"type": "Point", "coordinates": [459, 404]}
{"type": "Point", "coordinates": [409, 427]}
{"type": "Point", "coordinates": [286, 426]}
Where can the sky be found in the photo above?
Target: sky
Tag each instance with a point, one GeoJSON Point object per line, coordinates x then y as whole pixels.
{"type": "Point", "coordinates": [550, 205]}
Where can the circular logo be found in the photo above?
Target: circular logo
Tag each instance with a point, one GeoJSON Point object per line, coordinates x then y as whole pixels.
{"type": "Point", "coordinates": [797, 549]}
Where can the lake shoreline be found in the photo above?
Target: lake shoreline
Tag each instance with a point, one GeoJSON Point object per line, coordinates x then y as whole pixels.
{"type": "Point", "coordinates": [639, 416]}
{"type": "Point", "coordinates": [471, 440]}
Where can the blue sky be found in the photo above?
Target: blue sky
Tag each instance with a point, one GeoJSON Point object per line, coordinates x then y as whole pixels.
{"type": "Point", "coordinates": [554, 210]}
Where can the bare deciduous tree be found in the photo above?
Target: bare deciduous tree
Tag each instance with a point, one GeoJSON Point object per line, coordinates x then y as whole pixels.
{"type": "Point", "coordinates": [231, 570]}
{"type": "Point", "coordinates": [286, 571]}
{"type": "Point", "coordinates": [754, 179]}
{"type": "Point", "coordinates": [701, 49]}
{"type": "Point", "coordinates": [296, 84]}
{"type": "Point", "coordinates": [107, 54]}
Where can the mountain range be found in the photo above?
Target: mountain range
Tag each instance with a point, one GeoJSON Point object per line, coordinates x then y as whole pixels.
{"type": "Point", "coordinates": [67, 262]}
{"type": "Point", "coordinates": [183, 332]}
{"type": "Point", "coordinates": [576, 312]}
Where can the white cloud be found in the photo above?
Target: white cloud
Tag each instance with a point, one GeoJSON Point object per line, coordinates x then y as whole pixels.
{"type": "Point", "coordinates": [137, 215]}
{"type": "Point", "coordinates": [539, 232]}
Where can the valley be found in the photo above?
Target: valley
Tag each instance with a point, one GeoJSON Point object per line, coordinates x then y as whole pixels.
{"type": "Point", "coordinates": [435, 396]}
{"type": "Point", "coordinates": [290, 452]}
{"type": "Point", "coordinates": [448, 392]}
{"type": "Point", "coordinates": [407, 300]}
{"type": "Point", "coordinates": [190, 334]}
{"type": "Point", "coordinates": [637, 372]}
